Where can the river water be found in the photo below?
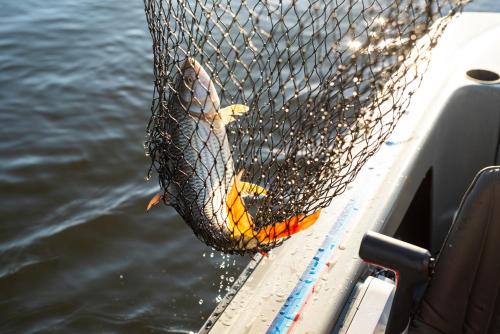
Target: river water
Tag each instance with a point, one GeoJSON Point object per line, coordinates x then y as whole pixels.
{"type": "Point", "coordinates": [78, 253]}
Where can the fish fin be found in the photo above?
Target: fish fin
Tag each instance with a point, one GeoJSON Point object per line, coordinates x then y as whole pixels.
{"type": "Point", "coordinates": [229, 114]}
{"type": "Point", "coordinates": [240, 221]}
{"type": "Point", "coordinates": [166, 197]}
{"type": "Point", "coordinates": [286, 228]}
{"type": "Point", "coordinates": [155, 200]}
{"type": "Point", "coordinates": [250, 189]}
{"type": "Point", "coordinates": [237, 180]}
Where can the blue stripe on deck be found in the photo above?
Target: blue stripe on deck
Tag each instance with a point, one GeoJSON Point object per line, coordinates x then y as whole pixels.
{"type": "Point", "coordinates": [296, 300]}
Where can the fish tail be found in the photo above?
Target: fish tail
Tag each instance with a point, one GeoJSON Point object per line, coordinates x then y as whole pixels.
{"type": "Point", "coordinates": [286, 228]}
{"type": "Point", "coordinates": [242, 225]}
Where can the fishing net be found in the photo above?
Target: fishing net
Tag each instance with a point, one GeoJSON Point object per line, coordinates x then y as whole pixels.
{"type": "Point", "coordinates": [265, 110]}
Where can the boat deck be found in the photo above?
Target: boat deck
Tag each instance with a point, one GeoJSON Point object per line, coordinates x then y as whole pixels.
{"type": "Point", "coordinates": [450, 132]}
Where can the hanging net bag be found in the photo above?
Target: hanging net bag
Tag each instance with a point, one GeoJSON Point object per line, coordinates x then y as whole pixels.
{"type": "Point", "coordinates": [265, 110]}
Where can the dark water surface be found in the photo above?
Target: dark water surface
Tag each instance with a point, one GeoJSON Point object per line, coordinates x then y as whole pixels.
{"type": "Point", "coordinates": [77, 251]}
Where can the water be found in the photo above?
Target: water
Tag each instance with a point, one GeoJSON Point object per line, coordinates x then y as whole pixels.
{"type": "Point", "coordinates": [77, 251]}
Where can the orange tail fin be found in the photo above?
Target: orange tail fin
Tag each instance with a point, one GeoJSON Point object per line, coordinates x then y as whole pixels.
{"type": "Point", "coordinates": [241, 223]}
{"type": "Point", "coordinates": [286, 228]}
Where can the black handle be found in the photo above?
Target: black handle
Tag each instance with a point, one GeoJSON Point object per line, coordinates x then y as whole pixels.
{"type": "Point", "coordinates": [411, 264]}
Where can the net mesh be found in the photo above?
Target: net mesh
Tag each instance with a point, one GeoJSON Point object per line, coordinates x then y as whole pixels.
{"type": "Point", "coordinates": [265, 110]}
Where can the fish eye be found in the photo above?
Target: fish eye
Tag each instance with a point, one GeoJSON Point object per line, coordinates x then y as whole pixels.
{"type": "Point", "coordinates": [188, 80]}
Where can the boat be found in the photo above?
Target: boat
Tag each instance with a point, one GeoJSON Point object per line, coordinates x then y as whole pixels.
{"type": "Point", "coordinates": [400, 208]}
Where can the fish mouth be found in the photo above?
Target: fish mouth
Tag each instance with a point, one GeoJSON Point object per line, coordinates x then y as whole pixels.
{"type": "Point", "coordinates": [191, 63]}
{"type": "Point", "coordinates": [201, 75]}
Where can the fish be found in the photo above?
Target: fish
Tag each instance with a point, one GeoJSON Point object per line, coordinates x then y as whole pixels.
{"type": "Point", "coordinates": [201, 183]}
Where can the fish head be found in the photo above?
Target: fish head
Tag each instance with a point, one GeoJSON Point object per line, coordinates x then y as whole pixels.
{"type": "Point", "coordinates": [196, 90]}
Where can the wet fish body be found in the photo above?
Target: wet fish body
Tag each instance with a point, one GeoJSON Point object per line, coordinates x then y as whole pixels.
{"type": "Point", "coordinates": [200, 162]}
{"type": "Point", "coordinates": [199, 180]}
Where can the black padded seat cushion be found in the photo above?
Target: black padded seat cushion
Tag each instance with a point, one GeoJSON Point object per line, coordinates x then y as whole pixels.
{"type": "Point", "coordinates": [463, 295]}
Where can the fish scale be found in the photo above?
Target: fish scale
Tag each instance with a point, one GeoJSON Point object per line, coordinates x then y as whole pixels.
{"type": "Point", "coordinates": [199, 178]}
{"type": "Point", "coordinates": [196, 148]}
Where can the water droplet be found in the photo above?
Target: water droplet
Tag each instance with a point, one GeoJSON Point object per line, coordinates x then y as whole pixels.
{"type": "Point", "coordinates": [200, 301]}
{"type": "Point", "coordinates": [354, 45]}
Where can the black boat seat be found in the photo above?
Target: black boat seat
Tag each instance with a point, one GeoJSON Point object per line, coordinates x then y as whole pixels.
{"type": "Point", "coordinates": [462, 293]}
